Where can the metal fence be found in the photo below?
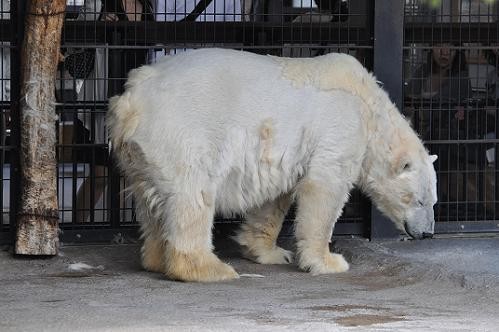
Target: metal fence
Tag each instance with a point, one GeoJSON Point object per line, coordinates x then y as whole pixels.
{"type": "Point", "coordinates": [451, 94]}
{"type": "Point", "coordinates": [103, 40]}
{"type": "Point", "coordinates": [7, 146]}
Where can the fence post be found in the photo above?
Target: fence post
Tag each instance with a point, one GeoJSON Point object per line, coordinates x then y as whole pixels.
{"type": "Point", "coordinates": [388, 57]}
{"type": "Point", "coordinates": [17, 10]}
{"type": "Point", "coordinates": [38, 215]}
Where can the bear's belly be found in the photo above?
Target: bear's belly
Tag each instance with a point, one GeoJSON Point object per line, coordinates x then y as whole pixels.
{"type": "Point", "coordinates": [243, 189]}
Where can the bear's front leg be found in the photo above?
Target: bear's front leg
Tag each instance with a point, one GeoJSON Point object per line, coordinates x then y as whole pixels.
{"type": "Point", "coordinates": [319, 205]}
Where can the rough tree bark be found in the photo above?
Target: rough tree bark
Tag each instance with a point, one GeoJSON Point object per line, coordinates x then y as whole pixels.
{"type": "Point", "coordinates": [37, 221]}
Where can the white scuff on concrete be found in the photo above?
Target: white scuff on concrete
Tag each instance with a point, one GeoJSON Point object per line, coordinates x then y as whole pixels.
{"type": "Point", "coordinates": [251, 275]}
{"type": "Point", "coordinates": [83, 267]}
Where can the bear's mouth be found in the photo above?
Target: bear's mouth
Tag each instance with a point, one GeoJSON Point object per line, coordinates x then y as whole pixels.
{"type": "Point", "coordinates": [424, 235]}
{"type": "Point", "coordinates": [406, 229]}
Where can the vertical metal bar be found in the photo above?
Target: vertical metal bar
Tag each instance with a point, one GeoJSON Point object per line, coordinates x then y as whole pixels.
{"type": "Point", "coordinates": [17, 11]}
{"type": "Point", "coordinates": [388, 46]}
{"type": "Point", "coordinates": [113, 195]}
{"type": "Point", "coordinates": [74, 173]}
{"type": "Point", "coordinates": [93, 173]}
{"type": "Point", "coordinates": [388, 51]}
{"type": "Point", "coordinates": [495, 104]}
{"type": "Point", "coordinates": [115, 86]}
{"type": "Point", "coordinates": [369, 56]}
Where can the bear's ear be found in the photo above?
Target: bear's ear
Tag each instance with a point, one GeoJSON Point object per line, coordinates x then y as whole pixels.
{"type": "Point", "coordinates": [433, 158]}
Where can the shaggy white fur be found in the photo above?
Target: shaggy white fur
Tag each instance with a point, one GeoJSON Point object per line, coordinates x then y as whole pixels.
{"type": "Point", "coordinates": [233, 132]}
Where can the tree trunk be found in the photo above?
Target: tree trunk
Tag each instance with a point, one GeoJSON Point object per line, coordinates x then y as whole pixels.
{"type": "Point", "coordinates": [37, 220]}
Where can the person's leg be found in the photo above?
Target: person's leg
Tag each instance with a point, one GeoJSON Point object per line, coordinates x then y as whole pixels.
{"type": "Point", "coordinates": [86, 191]}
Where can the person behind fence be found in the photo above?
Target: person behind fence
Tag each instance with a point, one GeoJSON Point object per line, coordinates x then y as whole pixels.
{"type": "Point", "coordinates": [492, 95]}
{"type": "Point", "coordinates": [337, 8]}
{"type": "Point", "coordinates": [443, 78]}
{"type": "Point", "coordinates": [492, 82]}
{"type": "Point", "coordinates": [90, 65]}
{"type": "Point", "coordinates": [443, 87]}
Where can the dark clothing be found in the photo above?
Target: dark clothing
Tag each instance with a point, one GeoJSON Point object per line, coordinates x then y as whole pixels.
{"type": "Point", "coordinates": [444, 114]}
{"type": "Point", "coordinates": [441, 113]}
{"type": "Point", "coordinates": [454, 89]}
{"type": "Point", "coordinates": [493, 85]}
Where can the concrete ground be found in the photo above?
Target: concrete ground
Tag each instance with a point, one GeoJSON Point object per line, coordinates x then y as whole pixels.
{"type": "Point", "coordinates": [430, 285]}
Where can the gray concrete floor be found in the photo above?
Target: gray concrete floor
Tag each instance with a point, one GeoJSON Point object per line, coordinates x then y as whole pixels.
{"type": "Point", "coordinates": [429, 285]}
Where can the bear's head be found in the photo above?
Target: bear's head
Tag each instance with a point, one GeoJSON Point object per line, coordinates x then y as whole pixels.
{"type": "Point", "coordinates": [408, 191]}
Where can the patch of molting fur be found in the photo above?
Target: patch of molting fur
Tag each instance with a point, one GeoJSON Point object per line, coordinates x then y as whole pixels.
{"type": "Point", "coordinates": [207, 198]}
{"type": "Point", "coordinates": [266, 138]}
{"type": "Point", "coordinates": [343, 72]}
{"type": "Point", "coordinates": [330, 72]}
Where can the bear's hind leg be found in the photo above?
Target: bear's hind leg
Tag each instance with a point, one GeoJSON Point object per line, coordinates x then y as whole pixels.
{"type": "Point", "coordinates": [188, 249]}
{"type": "Point", "coordinates": [258, 234]}
{"type": "Point", "coordinates": [319, 206]}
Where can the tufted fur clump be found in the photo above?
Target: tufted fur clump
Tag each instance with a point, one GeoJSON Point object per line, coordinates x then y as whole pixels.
{"type": "Point", "coordinates": [233, 132]}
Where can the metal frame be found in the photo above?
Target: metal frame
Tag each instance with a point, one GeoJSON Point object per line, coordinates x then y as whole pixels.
{"type": "Point", "coordinates": [388, 43]}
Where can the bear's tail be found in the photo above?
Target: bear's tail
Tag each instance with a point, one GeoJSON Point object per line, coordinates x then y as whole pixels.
{"type": "Point", "coordinates": [122, 119]}
{"type": "Point", "coordinates": [123, 114]}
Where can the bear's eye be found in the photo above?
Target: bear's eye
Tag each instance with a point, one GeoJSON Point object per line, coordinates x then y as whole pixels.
{"type": "Point", "coordinates": [420, 203]}
{"type": "Point", "coordinates": [406, 167]}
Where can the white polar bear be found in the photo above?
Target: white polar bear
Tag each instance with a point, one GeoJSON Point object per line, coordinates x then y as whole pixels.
{"type": "Point", "coordinates": [226, 131]}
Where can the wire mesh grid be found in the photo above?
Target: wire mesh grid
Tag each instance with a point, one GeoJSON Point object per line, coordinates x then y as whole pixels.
{"type": "Point", "coordinates": [451, 95]}
{"type": "Point", "coordinates": [103, 40]}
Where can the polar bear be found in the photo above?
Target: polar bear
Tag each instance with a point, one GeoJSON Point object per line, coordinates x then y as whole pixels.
{"type": "Point", "coordinates": [227, 131]}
